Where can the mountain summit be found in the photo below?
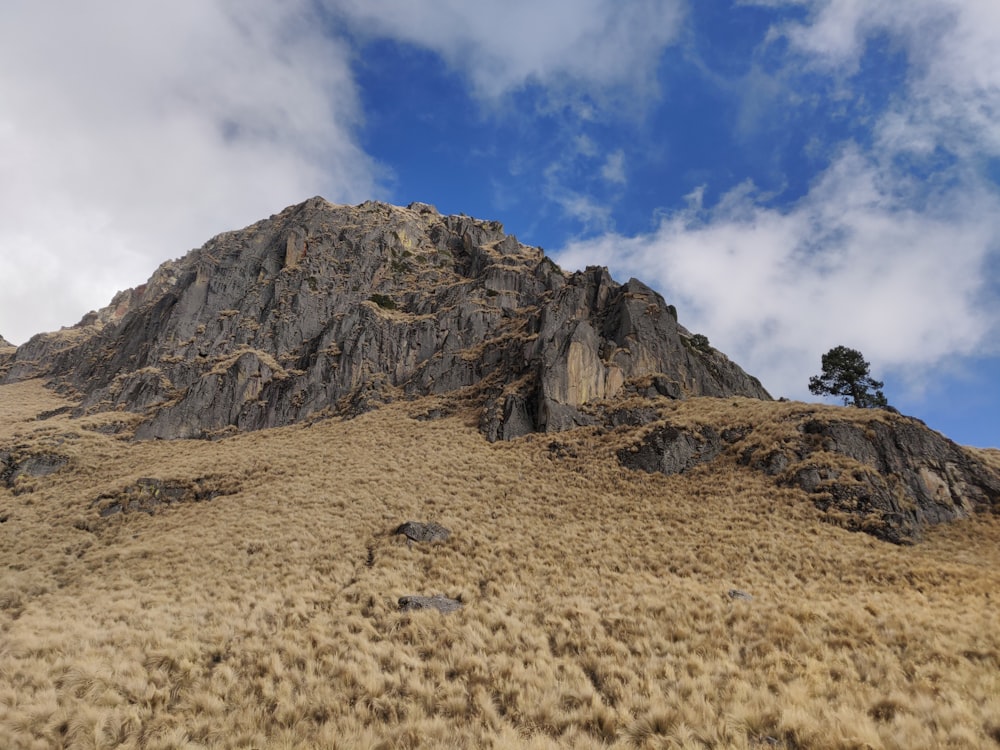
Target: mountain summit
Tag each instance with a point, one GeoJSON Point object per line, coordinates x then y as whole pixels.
{"type": "Point", "coordinates": [333, 309]}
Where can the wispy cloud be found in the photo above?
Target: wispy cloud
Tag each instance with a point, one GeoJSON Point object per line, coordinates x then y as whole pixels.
{"type": "Point", "coordinates": [605, 47]}
{"type": "Point", "coordinates": [575, 203]}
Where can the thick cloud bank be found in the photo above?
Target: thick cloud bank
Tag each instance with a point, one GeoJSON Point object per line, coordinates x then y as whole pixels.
{"type": "Point", "coordinates": [130, 132]}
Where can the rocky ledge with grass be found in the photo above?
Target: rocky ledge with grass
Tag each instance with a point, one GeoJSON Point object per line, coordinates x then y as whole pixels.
{"type": "Point", "coordinates": [871, 470]}
{"type": "Point", "coordinates": [19, 461]}
{"type": "Point", "coordinates": [7, 351]}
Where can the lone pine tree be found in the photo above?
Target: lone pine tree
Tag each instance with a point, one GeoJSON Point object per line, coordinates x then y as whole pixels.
{"type": "Point", "coordinates": [846, 373]}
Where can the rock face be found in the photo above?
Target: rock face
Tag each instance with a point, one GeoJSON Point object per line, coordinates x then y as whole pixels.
{"type": "Point", "coordinates": [4, 343]}
{"type": "Point", "coordinates": [326, 309]}
{"type": "Point", "coordinates": [888, 475]}
{"type": "Point", "coordinates": [669, 450]}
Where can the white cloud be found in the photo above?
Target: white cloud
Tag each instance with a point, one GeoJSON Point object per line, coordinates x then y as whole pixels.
{"type": "Point", "coordinates": [849, 264]}
{"type": "Point", "coordinates": [132, 132]}
{"type": "Point", "coordinates": [614, 167]}
{"type": "Point", "coordinates": [604, 45]}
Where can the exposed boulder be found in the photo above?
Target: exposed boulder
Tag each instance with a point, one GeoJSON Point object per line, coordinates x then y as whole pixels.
{"type": "Point", "coordinates": [423, 532]}
{"type": "Point", "coordinates": [16, 463]}
{"type": "Point", "coordinates": [337, 309]}
{"type": "Point", "coordinates": [441, 603]}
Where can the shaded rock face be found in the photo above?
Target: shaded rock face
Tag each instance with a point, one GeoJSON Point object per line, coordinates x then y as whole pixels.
{"type": "Point", "coordinates": [669, 450]}
{"type": "Point", "coordinates": [889, 477]}
{"type": "Point", "coordinates": [336, 309]}
{"type": "Point", "coordinates": [912, 476]}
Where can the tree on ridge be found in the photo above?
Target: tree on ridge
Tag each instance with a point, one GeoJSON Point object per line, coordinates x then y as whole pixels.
{"type": "Point", "coordinates": [846, 373]}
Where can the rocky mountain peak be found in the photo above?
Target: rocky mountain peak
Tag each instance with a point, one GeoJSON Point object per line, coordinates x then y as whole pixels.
{"type": "Point", "coordinates": [330, 309]}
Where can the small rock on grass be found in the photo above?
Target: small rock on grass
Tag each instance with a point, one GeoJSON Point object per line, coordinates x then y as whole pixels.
{"type": "Point", "coordinates": [440, 603]}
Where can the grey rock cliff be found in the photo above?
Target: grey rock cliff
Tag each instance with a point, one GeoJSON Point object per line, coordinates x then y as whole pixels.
{"type": "Point", "coordinates": [326, 309]}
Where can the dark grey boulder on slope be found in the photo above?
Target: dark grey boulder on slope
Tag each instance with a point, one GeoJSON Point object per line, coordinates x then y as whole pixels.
{"type": "Point", "coordinates": [335, 309]}
{"type": "Point", "coordinates": [416, 531]}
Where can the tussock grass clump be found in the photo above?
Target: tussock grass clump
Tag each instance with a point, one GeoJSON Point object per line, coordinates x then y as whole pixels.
{"type": "Point", "coordinates": [595, 608]}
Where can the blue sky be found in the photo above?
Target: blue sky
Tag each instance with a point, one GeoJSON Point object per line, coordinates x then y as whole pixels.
{"type": "Point", "coordinates": [791, 174]}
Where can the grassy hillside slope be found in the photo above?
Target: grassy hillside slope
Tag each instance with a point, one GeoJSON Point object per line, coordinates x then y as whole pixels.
{"type": "Point", "coordinates": [595, 599]}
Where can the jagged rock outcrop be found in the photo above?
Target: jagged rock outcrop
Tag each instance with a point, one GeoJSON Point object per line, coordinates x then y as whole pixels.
{"type": "Point", "coordinates": [882, 473]}
{"type": "Point", "coordinates": [4, 343]}
{"type": "Point", "coordinates": [335, 309]}
{"type": "Point", "coordinates": [670, 450]}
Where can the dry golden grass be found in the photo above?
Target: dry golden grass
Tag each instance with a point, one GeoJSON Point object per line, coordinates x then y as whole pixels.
{"type": "Point", "coordinates": [989, 455]}
{"type": "Point", "coordinates": [595, 599]}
